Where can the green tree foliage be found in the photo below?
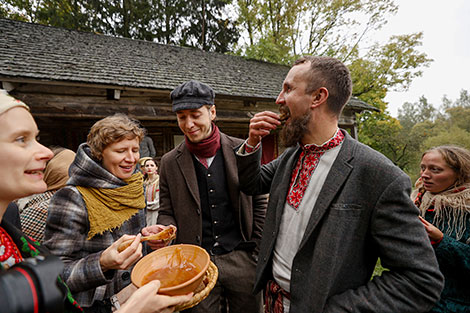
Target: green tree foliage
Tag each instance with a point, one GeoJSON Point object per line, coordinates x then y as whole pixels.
{"type": "Point", "coordinates": [425, 127]}
{"type": "Point", "coordinates": [389, 67]}
{"type": "Point", "coordinates": [319, 27]}
{"type": "Point", "coordinates": [167, 24]}
{"type": "Point", "coordinates": [208, 27]}
{"type": "Point", "coordinates": [279, 31]}
{"type": "Point", "coordinates": [270, 26]}
{"type": "Point", "coordinates": [413, 113]}
{"type": "Point", "coordinates": [388, 137]}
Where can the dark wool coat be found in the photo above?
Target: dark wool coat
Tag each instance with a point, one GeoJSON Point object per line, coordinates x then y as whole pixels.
{"type": "Point", "coordinates": [363, 212]}
{"type": "Point", "coordinates": [454, 261]}
{"type": "Point", "coordinates": [67, 229]}
{"type": "Point", "coordinates": [179, 195]}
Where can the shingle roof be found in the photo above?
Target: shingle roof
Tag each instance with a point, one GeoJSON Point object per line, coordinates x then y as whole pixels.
{"type": "Point", "coordinates": [41, 52]}
{"type": "Point", "coordinates": [36, 51]}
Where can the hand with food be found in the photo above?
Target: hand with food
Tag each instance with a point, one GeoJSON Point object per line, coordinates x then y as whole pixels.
{"type": "Point", "coordinates": [261, 125]}
{"type": "Point", "coordinates": [159, 236]}
{"type": "Point", "coordinates": [112, 258]}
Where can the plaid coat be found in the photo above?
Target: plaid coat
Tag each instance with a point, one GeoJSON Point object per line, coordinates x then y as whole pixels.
{"type": "Point", "coordinates": [67, 229]}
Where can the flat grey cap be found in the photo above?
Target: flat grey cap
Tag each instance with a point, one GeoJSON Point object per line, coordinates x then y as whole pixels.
{"type": "Point", "coordinates": [191, 95]}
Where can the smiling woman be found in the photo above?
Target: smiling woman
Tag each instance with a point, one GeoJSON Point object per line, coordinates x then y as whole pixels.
{"type": "Point", "coordinates": [23, 161]}
{"type": "Point", "coordinates": [102, 203]}
{"type": "Point", "coordinates": [23, 158]}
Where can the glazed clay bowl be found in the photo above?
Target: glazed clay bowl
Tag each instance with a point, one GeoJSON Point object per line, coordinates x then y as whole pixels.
{"type": "Point", "coordinates": [160, 259]}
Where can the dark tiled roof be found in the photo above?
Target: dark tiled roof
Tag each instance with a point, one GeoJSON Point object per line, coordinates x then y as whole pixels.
{"type": "Point", "coordinates": [41, 52]}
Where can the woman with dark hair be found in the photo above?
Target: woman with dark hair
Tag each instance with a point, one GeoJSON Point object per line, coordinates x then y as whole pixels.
{"type": "Point", "coordinates": [152, 189]}
{"type": "Point", "coordinates": [443, 197]}
{"type": "Point", "coordinates": [90, 217]}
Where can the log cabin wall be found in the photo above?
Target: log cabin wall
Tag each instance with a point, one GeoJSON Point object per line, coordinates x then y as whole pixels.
{"type": "Point", "coordinates": [65, 113]}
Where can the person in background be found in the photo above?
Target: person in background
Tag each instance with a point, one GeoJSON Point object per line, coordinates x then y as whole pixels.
{"type": "Point", "coordinates": [442, 195]}
{"type": "Point", "coordinates": [141, 164]}
{"type": "Point", "coordinates": [152, 189]}
{"type": "Point", "coordinates": [34, 214]}
{"type": "Point", "coordinates": [200, 194]}
{"type": "Point", "coordinates": [146, 148]}
{"type": "Point", "coordinates": [335, 207]}
{"type": "Point", "coordinates": [101, 206]}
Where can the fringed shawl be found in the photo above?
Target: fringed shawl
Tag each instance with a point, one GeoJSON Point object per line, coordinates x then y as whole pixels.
{"type": "Point", "coordinates": [451, 207]}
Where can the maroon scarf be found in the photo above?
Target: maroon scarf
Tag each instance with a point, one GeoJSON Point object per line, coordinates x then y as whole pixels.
{"type": "Point", "coordinates": [206, 148]}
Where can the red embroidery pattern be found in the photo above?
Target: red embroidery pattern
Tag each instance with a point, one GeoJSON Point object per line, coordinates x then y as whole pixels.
{"type": "Point", "coordinates": [9, 253]}
{"type": "Point", "coordinates": [305, 167]}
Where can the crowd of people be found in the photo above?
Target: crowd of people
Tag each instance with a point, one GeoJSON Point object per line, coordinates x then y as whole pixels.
{"type": "Point", "coordinates": [302, 233]}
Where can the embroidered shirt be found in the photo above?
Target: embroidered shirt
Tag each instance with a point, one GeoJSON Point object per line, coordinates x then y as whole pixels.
{"type": "Point", "coordinates": [306, 165]}
{"type": "Point", "coordinates": [295, 219]}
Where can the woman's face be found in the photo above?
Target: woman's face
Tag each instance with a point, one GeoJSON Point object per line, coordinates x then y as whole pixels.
{"type": "Point", "coordinates": [22, 157]}
{"type": "Point", "coordinates": [120, 158]}
{"type": "Point", "coordinates": [150, 167]}
{"type": "Point", "coordinates": [436, 174]}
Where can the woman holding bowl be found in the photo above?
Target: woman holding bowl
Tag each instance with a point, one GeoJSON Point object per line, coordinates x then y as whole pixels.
{"type": "Point", "coordinates": [443, 197]}
{"type": "Point", "coordinates": [90, 217]}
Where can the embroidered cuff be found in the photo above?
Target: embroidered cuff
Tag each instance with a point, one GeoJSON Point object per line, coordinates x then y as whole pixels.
{"type": "Point", "coordinates": [245, 148]}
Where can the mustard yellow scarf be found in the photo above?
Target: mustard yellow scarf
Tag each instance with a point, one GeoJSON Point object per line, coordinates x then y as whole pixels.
{"type": "Point", "coordinates": [109, 208]}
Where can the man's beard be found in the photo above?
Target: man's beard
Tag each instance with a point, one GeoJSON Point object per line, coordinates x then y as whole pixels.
{"type": "Point", "coordinates": [293, 132]}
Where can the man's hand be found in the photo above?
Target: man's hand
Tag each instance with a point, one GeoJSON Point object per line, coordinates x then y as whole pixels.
{"type": "Point", "coordinates": [111, 258]}
{"type": "Point", "coordinates": [261, 125]}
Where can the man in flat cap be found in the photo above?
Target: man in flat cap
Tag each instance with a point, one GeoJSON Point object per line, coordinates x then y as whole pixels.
{"type": "Point", "coordinates": [199, 194]}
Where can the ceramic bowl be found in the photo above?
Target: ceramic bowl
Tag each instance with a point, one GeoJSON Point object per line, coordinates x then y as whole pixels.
{"type": "Point", "coordinates": [162, 257]}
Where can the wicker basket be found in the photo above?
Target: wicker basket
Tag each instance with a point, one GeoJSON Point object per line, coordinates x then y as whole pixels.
{"type": "Point", "coordinates": [203, 290]}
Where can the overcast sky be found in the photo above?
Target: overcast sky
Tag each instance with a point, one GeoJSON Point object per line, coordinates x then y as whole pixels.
{"type": "Point", "coordinates": [446, 28]}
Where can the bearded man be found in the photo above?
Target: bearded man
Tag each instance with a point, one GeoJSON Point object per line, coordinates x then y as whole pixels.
{"type": "Point", "coordinates": [335, 207]}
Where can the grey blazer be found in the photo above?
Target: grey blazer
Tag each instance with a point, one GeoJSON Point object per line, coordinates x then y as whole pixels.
{"type": "Point", "coordinates": [363, 212]}
{"type": "Point", "coordinates": [179, 195]}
